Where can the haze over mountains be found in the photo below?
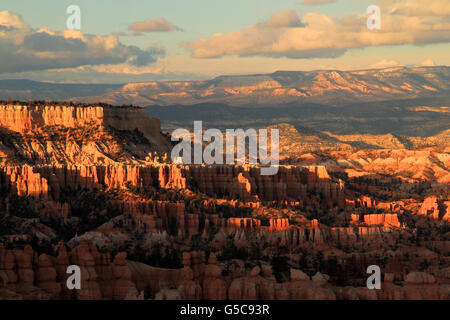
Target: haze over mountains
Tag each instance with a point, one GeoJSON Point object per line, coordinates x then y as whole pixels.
{"type": "Point", "coordinates": [22, 89]}
{"type": "Point", "coordinates": [416, 117]}
{"type": "Point", "coordinates": [324, 87]}
{"type": "Point", "coordinates": [406, 101]}
{"type": "Point", "coordinates": [331, 87]}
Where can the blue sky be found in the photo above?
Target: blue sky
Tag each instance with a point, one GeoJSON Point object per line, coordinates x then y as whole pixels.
{"type": "Point", "coordinates": [214, 35]}
{"type": "Point", "coordinates": [198, 18]}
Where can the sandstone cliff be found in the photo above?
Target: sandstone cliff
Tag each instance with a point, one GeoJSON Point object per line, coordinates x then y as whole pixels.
{"type": "Point", "coordinates": [63, 134]}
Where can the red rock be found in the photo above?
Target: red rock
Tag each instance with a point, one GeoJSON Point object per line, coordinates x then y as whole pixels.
{"type": "Point", "coordinates": [419, 278]}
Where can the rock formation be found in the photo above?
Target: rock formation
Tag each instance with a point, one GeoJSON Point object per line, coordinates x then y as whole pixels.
{"type": "Point", "coordinates": [140, 227]}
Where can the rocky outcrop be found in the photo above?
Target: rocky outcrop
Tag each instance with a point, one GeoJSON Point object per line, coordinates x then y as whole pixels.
{"type": "Point", "coordinates": [292, 183]}
{"type": "Point", "coordinates": [24, 118]}
{"type": "Point", "coordinates": [384, 219]}
{"type": "Point", "coordinates": [64, 134]}
{"type": "Point", "coordinates": [104, 196]}
{"type": "Point", "coordinates": [25, 274]}
{"type": "Point", "coordinates": [32, 276]}
{"type": "Point", "coordinates": [434, 208]}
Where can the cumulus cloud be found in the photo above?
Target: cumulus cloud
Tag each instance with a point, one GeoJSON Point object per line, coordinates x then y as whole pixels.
{"type": "Point", "coordinates": [284, 19]}
{"type": "Point", "coordinates": [148, 56]}
{"type": "Point", "coordinates": [385, 63]}
{"type": "Point", "coordinates": [428, 63]}
{"type": "Point", "coordinates": [10, 20]}
{"type": "Point", "coordinates": [418, 7]}
{"type": "Point", "coordinates": [25, 49]}
{"type": "Point", "coordinates": [320, 35]}
{"type": "Point", "coordinates": [317, 2]}
{"type": "Point", "coordinates": [153, 25]}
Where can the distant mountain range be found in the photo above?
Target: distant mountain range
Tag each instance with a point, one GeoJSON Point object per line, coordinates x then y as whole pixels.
{"type": "Point", "coordinates": [404, 101]}
{"type": "Point", "coordinates": [22, 89]}
{"type": "Point", "coordinates": [328, 87]}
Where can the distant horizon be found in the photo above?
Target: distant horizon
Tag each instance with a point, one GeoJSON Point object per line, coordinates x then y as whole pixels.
{"type": "Point", "coordinates": [226, 75]}
{"type": "Point", "coordinates": [174, 40]}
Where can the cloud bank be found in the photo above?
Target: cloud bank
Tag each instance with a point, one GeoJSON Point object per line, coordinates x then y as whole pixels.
{"type": "Point", "coordinates": [25, 49]}
{"type": "Point", "coordinates": [315, 35]}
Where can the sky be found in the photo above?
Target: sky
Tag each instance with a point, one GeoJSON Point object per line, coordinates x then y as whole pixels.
{"type": "Point", "coordinates": [144, 40]}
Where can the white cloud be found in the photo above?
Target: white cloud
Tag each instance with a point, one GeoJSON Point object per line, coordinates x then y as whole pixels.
{"type": "Point", "coordinates": [25, 49]}
{"type": "Point", "coordinates": [11, 20]}
{"type": "Point", "coordinates": [428, 63]}
{"type": "Point", "coordinates": [284, 19]}
{"type": "Point", "coordinates": [418, 7]}
{"type": "Point", "coordinates": [385, 63]}
{"type": "Point", "coordinates": [153, 25]}
{"type": "Point", "coordinates": [320, 35]}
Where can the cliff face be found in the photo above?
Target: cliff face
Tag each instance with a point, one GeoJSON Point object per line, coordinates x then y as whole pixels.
{"type": "Point", "coordinates": [78, 134]}
{"type": "Point", "coordinates": [292, 183]}
{"type": "Point", "coordinates": [382, 219]}
{"type": "Point", "coordinates": [23, 118]}
{"type": "Point", "coordinates": [434, 208]}
{"type": "Point", "coordinates": [27, 118]}
{"type": "Point", "coordinates": [180, 220]}
{"type": "Point", "coordinates": [302, 186]}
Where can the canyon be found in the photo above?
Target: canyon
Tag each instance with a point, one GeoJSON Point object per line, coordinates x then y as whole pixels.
{"type": "Point", "coordinates": [407, 101]}
{"type": "Point", "coordinates": [93, 185]}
